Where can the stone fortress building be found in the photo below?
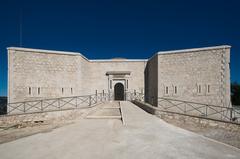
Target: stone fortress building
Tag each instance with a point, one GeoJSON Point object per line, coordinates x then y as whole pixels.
{"type": "Point", "coordinates": [201, 75]}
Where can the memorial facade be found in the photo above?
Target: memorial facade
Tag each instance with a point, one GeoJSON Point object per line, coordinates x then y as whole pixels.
{"type": "Point", "coordinates": [201, 75]}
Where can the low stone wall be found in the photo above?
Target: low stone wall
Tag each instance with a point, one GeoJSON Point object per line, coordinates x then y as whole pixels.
{"type": "Point", "coordinates": [191, 119]}
{"type": "Point", "coordinates": [45, 117]}
{"type": "Point", "coordinates": [145, 106]}
{"type": "Point", "coordinates": [199, 121]}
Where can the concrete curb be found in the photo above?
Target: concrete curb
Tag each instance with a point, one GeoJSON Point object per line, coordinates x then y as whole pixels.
{"type": "Point", "coordinates": [121, 111]}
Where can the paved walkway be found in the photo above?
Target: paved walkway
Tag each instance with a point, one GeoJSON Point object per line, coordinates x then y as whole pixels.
{"type": "Point", "coordinates": [143, 136]}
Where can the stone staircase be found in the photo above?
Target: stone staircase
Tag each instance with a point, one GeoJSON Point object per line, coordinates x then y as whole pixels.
{"type": "Point", "coordinates": [109, 110]}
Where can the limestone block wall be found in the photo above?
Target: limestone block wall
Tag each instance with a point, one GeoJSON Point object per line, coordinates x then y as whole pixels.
{"type": "Point", "coordinates": [39, 74]}
{"type": "Point", "coordinates": [83, 80]}
{"type": "Point", "coordinates": [151, 81]}
{"type": "Point", "coordinates": [99, 79]}
{"type": "Point", "coordinates": [201, 75]}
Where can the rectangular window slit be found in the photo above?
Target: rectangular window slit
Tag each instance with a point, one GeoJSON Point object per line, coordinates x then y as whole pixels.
{"type": "Point", "coordinates": [29, 91]}
{"type": "Point", "coordinates": [39, 91]}
{"type": "Point", "coordinates": [62, 90]}
{"type": "Point", "coordinates": [71, 91]}
{"type": "Point", "coordinates": [166, 90]}
{"type": "Point", "coordinates": [199, 89]}
{"type": "Point", "coordinates": [208, 88]}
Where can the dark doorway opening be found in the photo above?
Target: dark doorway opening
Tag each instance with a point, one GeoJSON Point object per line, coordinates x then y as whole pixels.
{"type": "Point", "coordinates": [119, 91]}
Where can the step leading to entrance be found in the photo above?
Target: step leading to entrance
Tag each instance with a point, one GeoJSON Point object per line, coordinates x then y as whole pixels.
{"type": "Point", "coordinates": [110, 110]}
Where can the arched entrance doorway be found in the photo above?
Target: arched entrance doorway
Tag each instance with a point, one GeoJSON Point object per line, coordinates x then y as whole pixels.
{"type": "Point", "coordinates": [118, 91]}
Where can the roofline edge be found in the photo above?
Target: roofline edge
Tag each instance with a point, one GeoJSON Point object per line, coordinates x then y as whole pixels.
{"type": "Point", "coordinates": [193, 49]}
{"type": "Point", "coordinates": [47, 51]}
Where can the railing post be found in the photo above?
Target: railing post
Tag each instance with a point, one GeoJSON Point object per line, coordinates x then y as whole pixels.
{"type": "Point", "coordinates": [42, 105]}
{"type": "Point", "coordinates": [96, 96]}
{"type": "Point", "coordinates": [24, 107]}
{"type": "Point", "coordinates": [90, 100]}
{"type": "Point", "coordinates": [206, 111]}
{"type": "Point", "coordinates": [76, 102]}
{"type": "Point", "coordinates": [231, 116]}
{"type": "Point", "coordinates": [103, 94]}
{"type": "Point", "coordinates": [8, 106]}
{"type": "Point", "coordinates": [58, 103]}
{"type": "Point", "coordinates": [221, 114]}
{"type": "Point", "coordinates": [185, 109]}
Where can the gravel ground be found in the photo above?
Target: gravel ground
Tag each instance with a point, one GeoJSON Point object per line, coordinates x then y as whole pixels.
{"type": "Point", "coordinates": [225, 135]}
{"type": "Point", "coordinates": [20, 131]}
{"type": "Point", "coordinates": [10, 132]}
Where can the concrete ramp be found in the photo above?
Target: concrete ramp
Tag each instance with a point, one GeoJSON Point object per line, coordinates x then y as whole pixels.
{"type": "Point", "coordinates": [132, 115]}
{"type": "Point", "coordinates": [143, 136]}
{"type": "Point", "coordinates": [172, 140]}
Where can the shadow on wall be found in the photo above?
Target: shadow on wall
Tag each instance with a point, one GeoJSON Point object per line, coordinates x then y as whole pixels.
{"type": "Point", "coordinates": [151, 81]}
{"type": "Point", "coordinates": [3, 105]}
{"type": "Point", "coordinates": [145, 106]}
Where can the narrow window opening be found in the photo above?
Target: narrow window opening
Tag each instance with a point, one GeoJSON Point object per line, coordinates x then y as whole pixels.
{"type": "Point", "coordinates": [71, 90]}
{"type": "Point", "coordinates": [199, 89]}
{"type": "Point", "coordinates": [166, 90]}
{"type": "Point", "coordinates": [39, 91]}
{"type": "Point", "coordinates": [29, 91]}
{"type": "Point", "coordinates": [175, 89]}
{"type": "Point", "coordinates": [62, 90]}
{"type": "Point", "coordinates": [208, 88]}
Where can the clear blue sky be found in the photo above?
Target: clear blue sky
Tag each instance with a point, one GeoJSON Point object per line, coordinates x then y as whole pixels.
{"type": "Point", "coordinates": [130, 29]}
